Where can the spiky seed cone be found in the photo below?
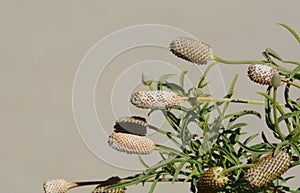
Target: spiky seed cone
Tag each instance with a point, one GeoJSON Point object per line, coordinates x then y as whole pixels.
{"type": "Point", "coordinates": [212, 181]}
{"type": "Point", "coordinates": [101, 189]}
{"type": "Point", "coordinates": [58, 186]}
{"type": "Point", "coordinates": [268, 169]}
{"type": "Point", "coordinates": [191, 50]}
{"type": "Point", "coordinates": [131, 144]}
{"type": "Point", "coordinates": [261, 73]}
{"type": "Point", "coordinates": [135, 125]}
{"type": "Point", "coordinates": [158, 99]}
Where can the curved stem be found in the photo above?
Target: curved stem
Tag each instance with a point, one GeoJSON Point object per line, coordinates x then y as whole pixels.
{"type": "Point", "coordinates": [216, 58]}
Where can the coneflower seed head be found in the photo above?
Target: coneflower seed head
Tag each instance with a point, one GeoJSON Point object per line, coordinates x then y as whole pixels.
{"type": "Point", "coordinates": [131, 144]}
{"type": "Point", "coordinates": [157, 99]}
{"type": "Point", "coordinates": [261, 73]}
{"type": "Point", "coordinates": [212, 180]}
{"type": "Point", "coordinates": [268, 169]}
{"type": "Point", "coordinates": [191, 50]}
{"type": "Point", "coordinates": [57, 186]}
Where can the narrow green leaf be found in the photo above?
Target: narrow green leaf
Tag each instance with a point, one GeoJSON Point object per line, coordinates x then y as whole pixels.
{"type": "Point", "coordinates": [165, 77]}
{"type": "Point", "coordinates": [162, 163]}
{"type": "Point", "coordinates": [154, 183]}
{"type": "Point", "coordinates": [254, 150]}
{"type": "Point", "coordinates": [296, 149]}
{"type": "Point", "coordinates": [237, 125]}
{"type": "Point", "coordinates": [130, 182]}
{"type": "Point", "coordinates": [230, 92]}
{"type": "Point", "coordinates": [178, 170]}
{"type": "Point", "coordinates": [288, 115]}
{"type": "Point", "coordinates": [172, 150]}
{"type": "Point", "coordinates": [174, 88]}
{"type": "Point", "coordinates": [142, 161]}
{"type": "Point", "coordinates": [294, 72]}
{"type": "Point", "coordinates": [181, 79]}
{"type": "Point", "coordinates": [201, 83]}
{"type": "Point", "coordinates": [271, 52]}
{"type": "Point", "coordinates": [291, 30]}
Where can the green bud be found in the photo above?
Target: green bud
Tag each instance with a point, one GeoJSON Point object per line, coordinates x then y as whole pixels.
{"type": "Point", "coordinates": [147, 79]}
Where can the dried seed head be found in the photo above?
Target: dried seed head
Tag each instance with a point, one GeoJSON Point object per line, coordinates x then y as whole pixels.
{"type": "Point", "coordinates": [131, 144]}
{"type": "Point", "coordinates": [135, 125]}
{"type": "Point", "coordinates": [261, 73]}
{"type": "Point", "coordinates": [191, 50]}
{"type": "Point", "coordinates": [57, 186]}
{"type": "Point", "coordinates": [212, 180]}
{"type": "Point", "coordinates": [268, 169]}
{"type": "Point", "coordinates": [101, 189]}
{"type": "Point", "coordinates": [157, 99]}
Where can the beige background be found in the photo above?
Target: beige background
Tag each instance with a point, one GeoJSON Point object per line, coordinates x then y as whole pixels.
{"type": "Point", "coordinates": [43, 42]}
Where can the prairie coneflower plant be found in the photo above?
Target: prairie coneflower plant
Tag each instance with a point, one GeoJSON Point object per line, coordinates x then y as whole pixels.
{"type": "Point", "coordinates": [212, 150]}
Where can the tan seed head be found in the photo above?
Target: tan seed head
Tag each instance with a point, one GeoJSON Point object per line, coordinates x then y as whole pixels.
{"type": "Point", "coordinates": [101, 189]}
{"type": "Point", "coordinates": [191, 50]}
{"type": "Point", "coordinates": [261, 73]}
{"type": "Point", "coordinates": [157, 99]}
{"type": "Point", "coordinates": [135, 125]}
{"type": "Point", "coordinates": [268, 169]}
{"type": "Point", "coordinates": [212, 180]}
{"type": "Point", "coordinates": [131, 144]}
{"type": "Point", "coordinates": [58, 186]}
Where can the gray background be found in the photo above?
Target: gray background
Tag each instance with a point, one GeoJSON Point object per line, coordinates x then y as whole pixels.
{"type": "Point", "coordinates": [43, 42]}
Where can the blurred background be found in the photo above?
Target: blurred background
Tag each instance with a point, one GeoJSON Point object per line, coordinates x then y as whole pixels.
{"type": "Point", "coordinates": [42, 44]}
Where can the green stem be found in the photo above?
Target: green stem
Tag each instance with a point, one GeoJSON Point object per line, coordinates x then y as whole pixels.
{"type": "Point", "coordinates": [232, 100]}
{"type": "Point", "coordinates": [216, 58]}
{"type": "Point", "coordinates": [277, 129]}
{"type": "Point", "coordinates": [233, 168]}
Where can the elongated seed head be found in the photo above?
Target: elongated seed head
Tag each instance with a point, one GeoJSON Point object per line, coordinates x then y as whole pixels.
{"type": "Point", "coordinates": [191, 50]}
{"type": "Point", "coordinates": [101, 189]}
{"type": "Point", "coordinates": [57, 186]}
{"type": "Point", "coordinates": [261, 73]}
{"type": "Point", "coordinates": [131, 144]}
{"type": "Point", "coordinates": [212, 180]}
{"type": "Point", "coordinates": [135, 125]}
{"type": "Point", "coordinates": [268, 169]}
{"type": "Point", "coordinates": [158, 99]}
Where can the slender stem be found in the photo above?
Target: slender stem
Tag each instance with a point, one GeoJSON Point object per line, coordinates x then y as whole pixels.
{"type": "Point", "coordinates": [233, 168]}
{"type": "Point", "coordinates": [216, 58]}
{"type": "Point", "coordinates": [277, 129]}
{"type": "Point", "coordinates": [290, 82]}
{"type": "Point", "coordinates": [232, 100]}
